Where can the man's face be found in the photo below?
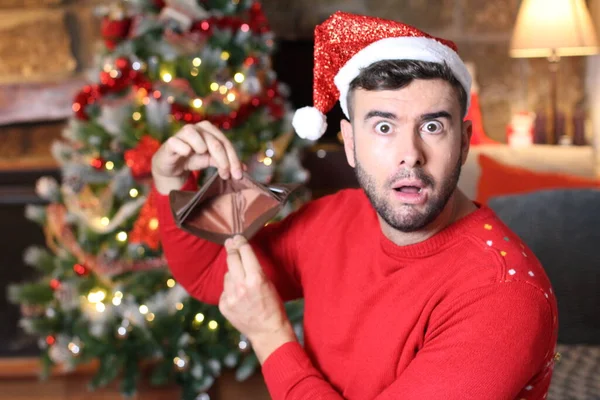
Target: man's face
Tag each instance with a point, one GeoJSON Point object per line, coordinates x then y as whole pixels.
{"type": "Point", "coordinates": [407, 147]}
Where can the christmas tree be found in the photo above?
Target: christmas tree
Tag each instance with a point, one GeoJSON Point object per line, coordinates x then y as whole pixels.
{"type": "Point", "coordinates": [104, 291]}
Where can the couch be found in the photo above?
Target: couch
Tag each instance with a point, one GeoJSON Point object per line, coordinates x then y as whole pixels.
{"type": "Point", "coordinates": [562, 227]}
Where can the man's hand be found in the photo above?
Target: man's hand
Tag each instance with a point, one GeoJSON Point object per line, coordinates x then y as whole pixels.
{"type": "Point", "coordinates": [251, 303]}
{"type": "Point", "coordinates": [193, 147]}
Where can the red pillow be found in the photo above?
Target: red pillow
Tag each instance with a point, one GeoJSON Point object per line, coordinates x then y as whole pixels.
{"type": "Point", "coordinates": [499, 179]}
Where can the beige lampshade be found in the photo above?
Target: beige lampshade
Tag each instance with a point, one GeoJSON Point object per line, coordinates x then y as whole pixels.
{"type": "Point", "coordinates": [553, 27]}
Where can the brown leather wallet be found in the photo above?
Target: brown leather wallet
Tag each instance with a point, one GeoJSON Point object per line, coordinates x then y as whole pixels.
{"type": "Point", "coordinates": [223, 208]}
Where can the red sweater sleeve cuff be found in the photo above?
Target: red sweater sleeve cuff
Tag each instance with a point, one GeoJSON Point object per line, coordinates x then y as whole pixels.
{"type": "Point", "coordinates": [285, 367]}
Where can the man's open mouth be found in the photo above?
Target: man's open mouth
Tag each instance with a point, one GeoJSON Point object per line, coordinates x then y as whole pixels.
{"type": "Point", "coordinates": [409, 189]}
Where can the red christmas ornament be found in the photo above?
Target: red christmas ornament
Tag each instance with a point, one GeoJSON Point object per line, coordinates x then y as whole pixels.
{"type": "Point", "coordinates": [258, 21]}
{"type": "Point", "coordinates": [123, 76]}
{"type": "Point", "coordinates": [139, 159]}
{"type": "Point", "coordinates": [80, 269]}
{"type": "Point", "coordinates": [185, 114]}
{"type": "Point", "coordinates": [88, 95]}
{"type": "Point", "coordinates": [50, 340]}
{"type": "Point", "coordinates": [54, 284]}
{"type": "Point", "coordinates": [97, 162]}
{"type": "Point", "coordinates": [140, 81]}
{"type": "Point", "coordinates": [114, 31]}
{"type": "Point", "coordinates": [145, 229]}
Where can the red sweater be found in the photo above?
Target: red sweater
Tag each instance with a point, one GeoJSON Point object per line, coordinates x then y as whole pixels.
{"type": "Point", "coordinates": [466, 314]}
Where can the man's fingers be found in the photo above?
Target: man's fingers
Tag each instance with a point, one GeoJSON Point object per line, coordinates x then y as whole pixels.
{"type": "Point", "coordinates": [193, 138]}
{"type": "Point", "coordinates": [228, 284]}
{"type": "Point", "coordinates": [218, 155]}
{"type": "Point", "coordinates": [177, 146]}
{"type": "Point", "coordinates": [234, 261]}
{"type": "Point", "coordinates": [250, 263]}
{"type": "Point", "coordinates": [234, 162]}
{"type": "Point", "coordinates": [198, 162]}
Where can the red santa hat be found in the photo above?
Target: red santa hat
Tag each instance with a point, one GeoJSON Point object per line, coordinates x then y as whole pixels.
{"type": "Point", "coordinates": [345, 43]}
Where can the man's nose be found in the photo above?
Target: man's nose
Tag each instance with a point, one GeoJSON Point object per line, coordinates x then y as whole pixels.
{"type": "Point", "coordinates": [410, 151]}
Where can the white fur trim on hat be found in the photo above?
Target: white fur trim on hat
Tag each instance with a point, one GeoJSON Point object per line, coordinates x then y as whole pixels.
{"type": "Point", "coordinates": [309, 123]}
{"type": "Point", "coordinates": [401, 48]}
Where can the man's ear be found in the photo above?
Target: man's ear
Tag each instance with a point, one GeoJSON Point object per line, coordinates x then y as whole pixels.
{"type": "Point", "coordinates": [348, 135]}
{"type": "Point", "coordinates": [467, 132]}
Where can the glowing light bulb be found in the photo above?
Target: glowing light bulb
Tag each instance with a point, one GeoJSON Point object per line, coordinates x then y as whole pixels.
{"type": "Point", "coordinates": [214, 86]}
{"type": "Point", "coordinates": [167, 77]}
{"type": "Point", "coordinates": [100, 307]}
{"type": "Point", "coordinates": [153, 224]}
{"type": "Point", "coordinates": [136, 116]}
{"type": "Point", "coordinates": [268, 161]}
{"type": "Point", "coordinates": [231, 97]}
{"type": "Point", "coordinates": [74, 348]}
{"type": "Point", "coordinates": [114, 73]}
{"type": "Point", "coordinates": [116, 301]}
{"type": "Point", "coordinates": [199, 317]}
{"type": "Point", "coordinates": [223, 89]}
{"type": "Point", "coordinates": [150, 317]}
{"type": "Point", "coordinates": [239, 77]}
{"type": "Point", "coordinates": [197, 103]}
{"type": "Point", "coordinates": [133, 192]}
{"type": "Point", "coordinates": [212, 325]}
{"type": "Point", "coordinates": [109, 165]}
{"type": "Point", "coordinates": [104, 221]}
{"type": "Point", "coordinates": [171, 282]}
{"type": "Point", "coordinates": [179, 306]}
{"type": "Point", "coordinates": [179, 362]}
{"type": "Point", "coordinates": [96, 296]}
{"type": "Point", "coordinates": [225, 56]}
{"type": "Point", "coordinates": [143, 309]}
{"type": "Point", "coordinates": [122, 236]}
{"type": "Point", "coordinates": [196, 62]}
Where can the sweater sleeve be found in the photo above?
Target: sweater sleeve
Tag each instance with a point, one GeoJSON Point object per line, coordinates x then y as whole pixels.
{"type": "Point", "coordinates": [199, 265]}
{"type": "Point", "coordinates": [490, 343]}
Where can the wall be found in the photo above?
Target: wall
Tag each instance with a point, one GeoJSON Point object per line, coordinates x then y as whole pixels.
{"type": "Point", "coordinates": [482, 30]}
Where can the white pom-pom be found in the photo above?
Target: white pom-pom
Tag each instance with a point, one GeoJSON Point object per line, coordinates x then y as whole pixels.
{"type": "Point", "coordinates": [309, 123]}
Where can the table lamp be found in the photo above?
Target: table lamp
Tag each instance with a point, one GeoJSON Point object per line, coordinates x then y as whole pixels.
{"type": "Point", "coordinates": [553, 29]}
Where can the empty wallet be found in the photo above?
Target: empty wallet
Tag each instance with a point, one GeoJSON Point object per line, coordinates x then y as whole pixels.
{"type": "Point", "coordinates": [223, 208]}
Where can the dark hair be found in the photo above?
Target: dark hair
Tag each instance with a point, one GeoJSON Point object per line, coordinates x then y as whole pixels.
{"type": "Point", "coordinates": [396, 74]}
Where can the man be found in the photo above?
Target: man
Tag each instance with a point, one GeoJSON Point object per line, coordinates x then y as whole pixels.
{"type": "Point", "coordinates": [411, 290]}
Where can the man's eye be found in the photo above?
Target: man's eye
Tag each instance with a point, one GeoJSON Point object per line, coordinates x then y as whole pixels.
{"type": "Point", "coordinates": [383, 127]}
{"type": "Point", "coordinates": [432, 127]}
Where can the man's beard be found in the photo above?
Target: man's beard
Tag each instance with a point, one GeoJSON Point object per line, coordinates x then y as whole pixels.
{"type": "Point", "coordinates": [413, 220]}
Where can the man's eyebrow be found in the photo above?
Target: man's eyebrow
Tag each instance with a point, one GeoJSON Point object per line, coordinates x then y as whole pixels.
{"type": "Point", "coordinates": [434, 115]}
{"type": "Point", "coordinates": [380, 114]}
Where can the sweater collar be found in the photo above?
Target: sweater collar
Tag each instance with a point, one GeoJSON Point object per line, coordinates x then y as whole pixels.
{"type": "Point", "coordinates": [447, 236]}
